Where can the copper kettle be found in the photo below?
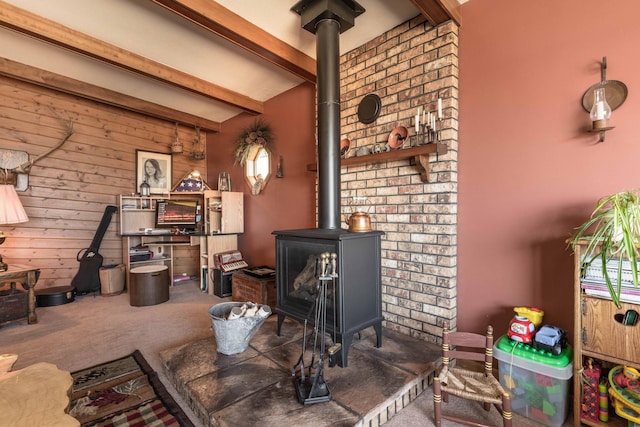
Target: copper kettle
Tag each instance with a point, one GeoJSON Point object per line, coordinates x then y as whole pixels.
{"type": "Point", "coordinates": [359, 222]}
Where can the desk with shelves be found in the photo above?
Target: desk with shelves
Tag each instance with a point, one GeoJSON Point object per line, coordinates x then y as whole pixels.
{"type": "Point", "coordinates": [161, 250]}
{"type": "Point", "coordinates": [217, 231]}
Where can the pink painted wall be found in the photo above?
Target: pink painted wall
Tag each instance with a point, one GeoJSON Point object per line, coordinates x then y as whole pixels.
{"type": "Point", "coordinates": [528, 171]}
{"type": "Point", "coordinates": [285, 203]}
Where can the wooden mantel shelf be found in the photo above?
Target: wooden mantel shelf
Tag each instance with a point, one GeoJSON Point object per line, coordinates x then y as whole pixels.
{"type": "Point", "coordinates": [419, 153]}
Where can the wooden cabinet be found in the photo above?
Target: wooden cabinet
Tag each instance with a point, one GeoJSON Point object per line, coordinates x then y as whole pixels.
{"type": "Point", "coordinates": [221, 220]}
{"type": "Point", "coordinates": [224, 213]}
{"type": "Point", "coordinates": [14, 304]}
{"type": "Point", "coordinates": [598, 335]}
{"type": "Point", "coordinates": [224, 217]}
{"type": "Point", "coordinates": [136, 214]}
{"type": "Point", "coordinates": [605, 338]}
{"type": "Point", "coordinates": [261, 290]}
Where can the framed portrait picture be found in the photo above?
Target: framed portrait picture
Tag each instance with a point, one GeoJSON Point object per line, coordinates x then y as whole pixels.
{"type": "Point", "coordinates": [155, 169]}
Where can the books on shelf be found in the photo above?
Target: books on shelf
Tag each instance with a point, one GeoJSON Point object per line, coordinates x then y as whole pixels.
{"type": "Point", "coordinates": [593, 281]}
{"type": "Point", "coordinates": [627, 293]}
{"type": "Point", "coordinates": [593, 273]}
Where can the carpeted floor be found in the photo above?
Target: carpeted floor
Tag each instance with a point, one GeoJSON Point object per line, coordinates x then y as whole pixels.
{"type": "Point", "coordinates": [95, 329]}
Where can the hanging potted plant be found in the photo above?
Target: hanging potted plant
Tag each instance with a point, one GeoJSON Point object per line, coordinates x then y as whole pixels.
{"type": "Point", "coordinates": [613, 233]}
{"type": "Point", "coordinates": [258, 133]}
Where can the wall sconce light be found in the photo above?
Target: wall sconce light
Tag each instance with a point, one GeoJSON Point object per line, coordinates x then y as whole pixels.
{"type": "Point", "coordinates": [11, 212]}
{"type": "Point", "coordinates": [280, 171]}
{"type": "Point", "coordinates": [601, 99]}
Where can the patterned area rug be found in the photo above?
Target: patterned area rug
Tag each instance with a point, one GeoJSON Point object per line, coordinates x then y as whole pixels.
{"type": "Point", "coordinates": [124, 392]}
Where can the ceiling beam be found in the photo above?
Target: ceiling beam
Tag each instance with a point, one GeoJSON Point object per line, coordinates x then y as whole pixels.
{"type": "Point", "coordinates": [64, 84]}
{"type": "Point", "coordinates": [439, 11]}
{"type": "Point", "coordinates": [43, 29]}
{"type": "Point", "coordinates": [224, 23]}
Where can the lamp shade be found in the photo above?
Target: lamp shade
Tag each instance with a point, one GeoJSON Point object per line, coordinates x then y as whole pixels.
{"type": "Point", "coordinates": [11, 210]}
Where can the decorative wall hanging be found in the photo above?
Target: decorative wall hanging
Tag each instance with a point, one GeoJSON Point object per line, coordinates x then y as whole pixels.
{"type": "Point", "coordinates": [397, 138]}
{"type": "Point", "coordinates": [198, 148]}
{"type": "Point", "coordinates": [191, 182]}
{"type": "Point", "coordinates": [15, 165]}
{"type": "Point", "coordinates": [10, 159]}
{"type": "Point", "coordinates": [369, 108]}
{"type": "Point", "coordinates": [154, 169]}
{"type": "Point", "coordinates": [259, 133]}
{"type": "Point", "coordinates": [176, 146]}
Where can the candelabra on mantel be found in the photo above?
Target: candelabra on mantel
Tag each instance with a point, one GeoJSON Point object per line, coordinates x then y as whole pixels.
{"type": "Point", "coordinates": [430, 130]}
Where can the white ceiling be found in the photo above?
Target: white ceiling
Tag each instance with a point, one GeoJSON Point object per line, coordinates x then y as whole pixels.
{"type": "Point", "coordinates": [149, 30]}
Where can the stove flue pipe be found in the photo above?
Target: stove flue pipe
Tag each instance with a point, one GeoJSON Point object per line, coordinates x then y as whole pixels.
{"type": "Point", "coordinates": [328, 87]}
{"type": "Point", "coordinates": [328, 19]}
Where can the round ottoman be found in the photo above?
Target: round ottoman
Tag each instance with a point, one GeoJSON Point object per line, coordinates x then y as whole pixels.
{"type": "Point", "coordinates": [149, 285]}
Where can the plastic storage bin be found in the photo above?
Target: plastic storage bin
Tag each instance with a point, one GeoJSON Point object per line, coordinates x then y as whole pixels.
{"type": "Point", "coordinates": [537, 380]}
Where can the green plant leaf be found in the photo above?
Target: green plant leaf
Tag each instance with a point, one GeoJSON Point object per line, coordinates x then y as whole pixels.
{"type": "Point", "coordinates": [612, 232]}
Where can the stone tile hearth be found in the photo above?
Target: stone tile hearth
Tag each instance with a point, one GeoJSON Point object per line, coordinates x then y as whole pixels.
{"type": "Point", "coordinates": [256, 387]}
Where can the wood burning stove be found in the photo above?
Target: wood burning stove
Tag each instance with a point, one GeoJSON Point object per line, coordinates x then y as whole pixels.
{"type": "Point", "coordinates": [358, 298]}
{"type": "Point", "coordinates": [358, 292]}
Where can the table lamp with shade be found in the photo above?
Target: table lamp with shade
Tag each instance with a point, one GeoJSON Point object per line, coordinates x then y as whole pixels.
{"type": "Point", "coordinates": [11, 212]}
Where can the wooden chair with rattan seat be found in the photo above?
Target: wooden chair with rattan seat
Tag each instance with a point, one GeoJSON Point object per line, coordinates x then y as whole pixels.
{"type": "Point", "coordinates": [464, 381]}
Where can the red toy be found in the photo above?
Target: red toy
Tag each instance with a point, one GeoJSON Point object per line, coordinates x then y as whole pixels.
{"type": "Point", "coordinates": [521, 329]}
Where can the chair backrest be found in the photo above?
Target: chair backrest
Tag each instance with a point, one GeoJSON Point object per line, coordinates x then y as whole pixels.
{"type": "Point", "coordinates": [468, 346]}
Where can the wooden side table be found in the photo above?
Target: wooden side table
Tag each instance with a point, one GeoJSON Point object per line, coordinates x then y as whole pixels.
{"type": "Point", "coordinates": [27, 277]}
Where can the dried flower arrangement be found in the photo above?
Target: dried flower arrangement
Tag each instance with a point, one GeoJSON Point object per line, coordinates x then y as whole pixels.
{"type": "Point", "coordinates": [258, 133]}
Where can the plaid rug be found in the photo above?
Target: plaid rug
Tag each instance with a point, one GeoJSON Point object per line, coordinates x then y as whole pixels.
{"type": "Point", "coordinates": [124, 392]}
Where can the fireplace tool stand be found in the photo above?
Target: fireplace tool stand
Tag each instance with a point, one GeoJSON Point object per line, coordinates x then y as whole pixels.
{"type": "Point", "coordinates": [311, 387]}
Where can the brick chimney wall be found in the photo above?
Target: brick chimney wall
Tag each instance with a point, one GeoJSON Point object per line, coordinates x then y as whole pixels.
{"type": "Point", "coordinates": [408, 67]}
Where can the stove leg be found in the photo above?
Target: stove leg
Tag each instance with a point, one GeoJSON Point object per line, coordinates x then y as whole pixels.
{"type": "Point", "coordinates": [346, 343]}
{"type": "Point", "coordinates": [280, 321]}
{"type": "Point", "coordinates": [378, 328]}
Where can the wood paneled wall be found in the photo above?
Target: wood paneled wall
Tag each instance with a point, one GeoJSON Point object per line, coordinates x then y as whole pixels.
{"type": "Point", "coordinates": [69, 189]}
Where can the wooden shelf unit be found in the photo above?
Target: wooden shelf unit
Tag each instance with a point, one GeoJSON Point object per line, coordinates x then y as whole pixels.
{"type": "Point", "coordinates": [224, 217]}
{"type": "Point", "coordinates": [222, 221]}
{"type": "Point", "coordinates": [137, 213]}
{"type": "Point", "coordinates": [598, 336]}
{"type": "Point", "coordinates": [420, 155]}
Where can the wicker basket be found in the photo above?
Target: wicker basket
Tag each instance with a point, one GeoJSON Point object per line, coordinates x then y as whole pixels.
{"type": "Point", "coordinates": [112, 280]}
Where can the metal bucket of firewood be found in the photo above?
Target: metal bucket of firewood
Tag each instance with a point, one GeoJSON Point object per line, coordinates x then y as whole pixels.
{"type": "Point", "coordinates": [235, 323]}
